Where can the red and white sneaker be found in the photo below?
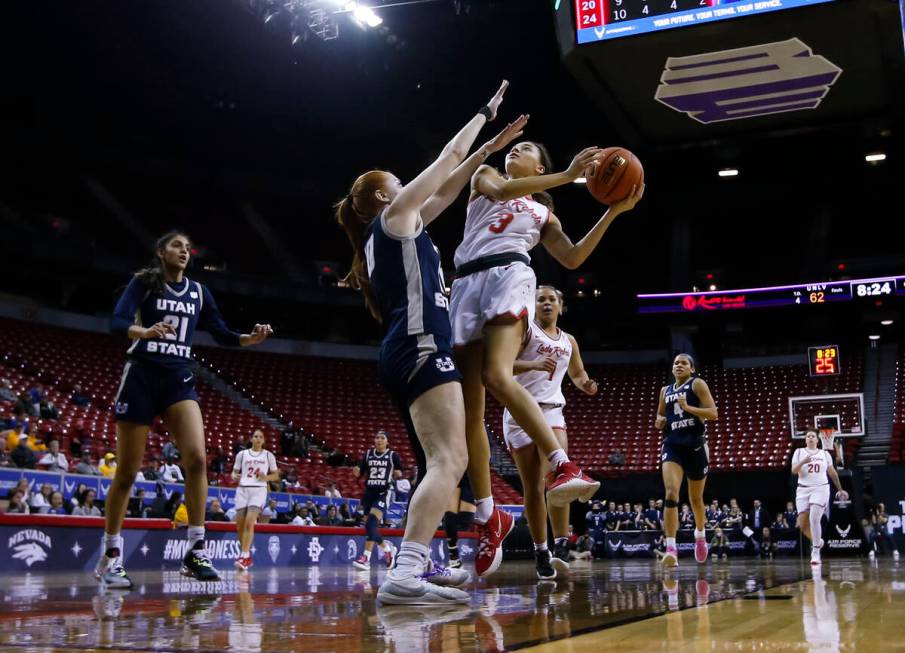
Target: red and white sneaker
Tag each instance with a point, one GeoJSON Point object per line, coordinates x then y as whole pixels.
{"type": "Point", "coordinates": [243, 563]}
{"type": "Point", "coordinates": [700, 550]}
{"type": "Point", "coordinates": [567, 483]}
{"type": "Point", "coordinates": [362, 562]}
{"type": "Point", "coordinates": [490, 541]}
{"type": "Point", "coordinates": [671, 557]}
{"type": "Point", "coordinates": [389, 554]}
{"type": "Point", "coordinates": [702, 592]}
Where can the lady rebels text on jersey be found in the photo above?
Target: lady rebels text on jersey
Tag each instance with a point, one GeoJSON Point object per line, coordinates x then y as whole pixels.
{"type": "Point", "coordinates": [493, 227]}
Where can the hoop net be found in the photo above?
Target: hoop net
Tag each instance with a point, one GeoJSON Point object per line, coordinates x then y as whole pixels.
{"type": "Point", "coordinates": [826, 438]}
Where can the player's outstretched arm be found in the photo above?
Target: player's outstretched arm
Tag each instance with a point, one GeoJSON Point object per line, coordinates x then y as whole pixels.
{"type": "Point", "coordinates": [492, 184]}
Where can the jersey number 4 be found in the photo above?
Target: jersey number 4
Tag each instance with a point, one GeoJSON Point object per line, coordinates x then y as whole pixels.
{"type": "Point", "coordinates": [677, 410]}
{"type": "Point", "coordinates": [500, 225]}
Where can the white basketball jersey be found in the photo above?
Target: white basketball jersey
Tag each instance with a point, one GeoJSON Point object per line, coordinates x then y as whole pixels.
{"type": "Point", "coordinates": [493, 227]}
{"type": "Point", "coordinates": [249, 463]}
{"type": "Point", "coordinates": [812, 474]}
{"type": "Point", "coordinates": [546, 388]}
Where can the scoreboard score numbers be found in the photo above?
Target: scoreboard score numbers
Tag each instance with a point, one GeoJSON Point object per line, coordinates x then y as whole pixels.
{"type": "Point", "coordinates": [824, 361]}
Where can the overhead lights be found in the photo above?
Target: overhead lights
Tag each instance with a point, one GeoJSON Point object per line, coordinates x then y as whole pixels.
{"type": "Point", "coordinates": [886, 322]}
{"type": "Point", "coordinates": [873, 336]}
{"type": "Point", "coordinates": [366, 15]}
{"type": "Point", "coordinates": [875, 157]}
{"type": "Point", "coordinates": [728, 172]}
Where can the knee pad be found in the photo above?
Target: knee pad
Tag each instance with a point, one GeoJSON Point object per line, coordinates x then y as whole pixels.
{"type": "Point", "coordinates": [466, 521]}
{"type": "Point", "coordinates": [669, 503]}
{"type": "Point", "coordinates": [372, 529]}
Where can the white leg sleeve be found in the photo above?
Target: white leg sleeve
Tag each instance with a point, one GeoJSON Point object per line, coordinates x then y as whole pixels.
{"type": "Point", "coordinates": [814, 515]}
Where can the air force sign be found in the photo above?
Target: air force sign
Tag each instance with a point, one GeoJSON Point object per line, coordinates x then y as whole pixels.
{"type": "Point", "coordinates": [746, 82]}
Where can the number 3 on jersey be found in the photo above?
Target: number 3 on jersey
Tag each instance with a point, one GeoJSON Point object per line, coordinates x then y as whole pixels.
{"type": "Point", "coordinates": [500, 225]}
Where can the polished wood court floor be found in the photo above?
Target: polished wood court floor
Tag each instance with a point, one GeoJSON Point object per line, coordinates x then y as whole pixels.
{"type": "Point", "coordinates": [740, 605]}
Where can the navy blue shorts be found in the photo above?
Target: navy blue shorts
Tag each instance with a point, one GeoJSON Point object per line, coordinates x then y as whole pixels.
{"type": "Point", "coordinates": [465, 492]}
{"type": "Point", "coordinates": [374, 498]}
{"type": "Point", "coordinates": [408, 371]}
{"type": "Point", "coordinates": [694, 459]}
{"type": "Point", "coordinates": [146, 391]}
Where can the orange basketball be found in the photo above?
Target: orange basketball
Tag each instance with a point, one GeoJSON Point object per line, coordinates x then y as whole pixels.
{"type": "Point", "coordinates": [614, 174]}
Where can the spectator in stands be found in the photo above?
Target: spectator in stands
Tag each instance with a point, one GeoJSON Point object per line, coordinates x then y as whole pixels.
{"type": "Point", "coordinates": [780, 521]}
{"type": "Point", "coordinates": [48, 410]}
{"type": "Point", "coordinates": [150, 471]}
{"type": "Point", "coordinates": [181, 516]}
{"type": "Point", "coordinates": [879, 538]}
{"type": "Point", "coordinates": [299, 446]}
{"type": "Point", "coordinates": [86, 465]}
{"type": "Point", "coordinates": [23, 455]}
{"type": "Point", "coordinates": [686, 518]}
{"type": "Point", "coordinates": [595, 520]}
{"type": "Point", "coordinates": [24, 406]}
{"type": "Point", "coordinates": [172, 505]}
{"type": "Point", "coordinates": [137, 508]}
{"type": "Point", "coordinates": [108, 466]}
{"type": "Point", "coordinates": [74, 501]}
{"type": "Point", "coordinates": [714, 514]}
{"type": "Point", "coordinates": [78, 398]}
{"type": "Point", "coordinates": [40, 501]}
{"type": "Point", "coordinates": [303, 518]}
{"type": "Point", "coordinates": [6, 391]}
{"type": "Point", "coordinates": [759, 517]}
{"type": "Point", "coordinates": [791, 514]}
{"type": "Point", "coordinates": [218, 461]}
{"type": "Point", "coordinates": [37, 395]}
{"type": "Point", "coordinates": [652, 516]}
{"type": "Point", "coordinates": [17, 426]}
{"type": "Point", "coordinates": [215, 512]}
{"type": "Point", "coordinates": [583, 549]}
{"type": "Point", "coordinates": [170, 472]}
{"type": "Point", "coordinates": [290, 481]}
{"type": "Point", "coordinates": [169, 451]}
{"type": "Point", "coordinates": [617, 458]}
{"type": "Point", "coordinates": [159, 505]}
{"type": "Point", "coordinates": [53, 460]}
{"type": "Point", "coordinates": [86, 507]}
{"type": "Point", "coordinates": [5, 460]}
{"type": "Point", "coordinates": [767, 546]}
{"type": "Point", "coordinates": [345, 515]}
{"type": "Point", "coordinates": [636, 517]}
{"type": "Point", "coordinates": [269, 513]}
{"type": "Point", "coordinates": [331, 518]}
{"type": "Point", "coordinates": [286, 439]}
{"type": "Point", "coordinates": [17, 504]}
{"type": "Point", "coordinates": [626, 517]}
{"type": "Point", "coordinates": [332, 492]}
{"type": "Point", "coordinates": [733, 520]}
{"type": "Point", "coordinates": [22, 486]}
{"type": "Point", "coordinates": [56, 507]}
{"type": "Point", "coordinates": [612, 518]}
{"type": "Point", "coordinates": [719, 545]}
{"type": "Point", "coordinates": [75, 445]}
{"type": "Point", "coordinates": [313, 512]}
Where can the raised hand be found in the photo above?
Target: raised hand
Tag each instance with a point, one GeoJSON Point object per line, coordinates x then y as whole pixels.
{"type": "Point", "coordinates": [509, 133]}
{"type": "Point", "coordinates": [497, 100]}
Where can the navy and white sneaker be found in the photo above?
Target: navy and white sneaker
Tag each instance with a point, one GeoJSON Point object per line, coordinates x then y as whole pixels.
{"type": "Point", "coordinates": [197, 564]}
{"type": "Point", "coordinates": [111, 573]}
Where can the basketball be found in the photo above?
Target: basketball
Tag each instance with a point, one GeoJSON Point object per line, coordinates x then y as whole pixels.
{"type": "Point", "coordinates": [614, 174]}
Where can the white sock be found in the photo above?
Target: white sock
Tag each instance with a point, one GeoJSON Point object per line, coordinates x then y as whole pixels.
{"type": "Point", "coordinates": [699, 535]}
{"type": "Point", "coordinates": [540, 546]}
{"type": "Point", "coordinates": [411, 560]}
{"type": "Point", "coordinates": [484, 510]}
{"type": "Point", "coordinates": [195, 534]}
{"type": "Point", "coordinates": [670, 542]}
{"type": "Point", "coordinates": [561, 541]}
{"type": "Point", "coordinates": [814, 516]}
{"type": "Point", "coordinates": [366, 554]}
{"type": "Point", "coordinates": [557, 458]}
{"type": "Point", "coordinates": [113, 541]}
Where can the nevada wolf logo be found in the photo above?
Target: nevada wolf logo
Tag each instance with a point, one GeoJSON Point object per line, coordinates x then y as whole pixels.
{"type": "Point", "coordinates": [746, 82]}
{"type": "Point", "coordinates": [30, 553]}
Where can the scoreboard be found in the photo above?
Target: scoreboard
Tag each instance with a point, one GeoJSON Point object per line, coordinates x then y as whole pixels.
{"type": "Point", "coordinates": [769, 297]}
{"type": "Point", "coordinates": [824, 360]}
{"type": "Point", "coordinates": [599, 20]}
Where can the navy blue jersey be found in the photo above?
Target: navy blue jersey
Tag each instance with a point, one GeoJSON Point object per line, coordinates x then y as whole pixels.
{"type": "Point", "coordinates": [407, 282]}
{"type": "Point", "coordinates": [378, 468]}
{"type": "Point", "coordinates": [683, 428]}
{"type": "Point", "coordinates": [186, 306]}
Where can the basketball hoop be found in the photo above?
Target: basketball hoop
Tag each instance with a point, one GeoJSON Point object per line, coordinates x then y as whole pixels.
{"type": "Point", "coordinates": [827, 437]}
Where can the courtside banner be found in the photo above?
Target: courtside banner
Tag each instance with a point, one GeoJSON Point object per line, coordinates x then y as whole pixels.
{"type": "Point", "coordinates": [642, 544]}
{"type": "Point", "coordinates": [889, 489]}
{"type": "Point", "coordinates": [66, 544]}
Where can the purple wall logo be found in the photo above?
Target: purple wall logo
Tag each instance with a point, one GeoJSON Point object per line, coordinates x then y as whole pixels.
{"type": "Point", "coordinates": [746, 82]}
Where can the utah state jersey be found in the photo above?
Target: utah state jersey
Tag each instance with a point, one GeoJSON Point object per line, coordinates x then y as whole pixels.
{"type": "Point", "coordinates": [681, 427]}
{"type": "Point", "coordinates": [185, 306]}
{"type": "Point", "coordinates": [379, 468]}
{"type": "Point", "coordinates": [407, 282]}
